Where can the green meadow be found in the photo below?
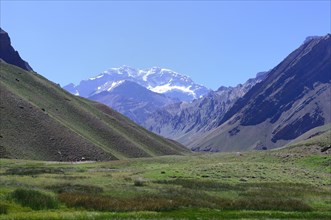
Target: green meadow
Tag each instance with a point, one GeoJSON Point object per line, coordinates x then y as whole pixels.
{"type": "Point", "coordinates": [282, 184]}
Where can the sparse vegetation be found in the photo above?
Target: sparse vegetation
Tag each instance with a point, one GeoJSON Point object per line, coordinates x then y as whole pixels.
{"type": "Point", "coordinates": [278, 184]}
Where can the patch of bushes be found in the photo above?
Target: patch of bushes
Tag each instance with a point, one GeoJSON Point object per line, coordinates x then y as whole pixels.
{"type": "Point", "coordinates": [184, 197]}
{"type": "Point", "coordinates": [33, 170]}
{"type": "Point", "coordinates": [172, 199]}
{"type": "Point", "coordinates": [77, 188]}
{"type": "Point", "coordinates": [269, 189]}
{"type": "Point", "coordinates": [34, 199]}
{"type": "Point", "coordinates": [198, 184]}
{"type": "Point", "coordinates": [194, 198]}
{"type": "Point", "coordinates": [278, 204]}
{"type": "Point", "coordinates": [69, 177]}
{"type": "Point", "coordinates": [139, 182]}
{"type": "Point", "coordinates": [103, 203]}
{"type": "Point", "coordinates": [280, 190]}
{"type": "Point", "coordinates": [3, 209]}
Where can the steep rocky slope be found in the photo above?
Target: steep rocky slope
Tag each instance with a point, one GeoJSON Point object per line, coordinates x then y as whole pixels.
{"type": "Point", "coordinates": [9, 54]}
{"type": "Point", "coordinates": [294, 98]}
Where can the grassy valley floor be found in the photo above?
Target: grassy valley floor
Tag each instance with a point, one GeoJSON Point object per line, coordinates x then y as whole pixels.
{"type": "Point", "coordinates": [280, 184]}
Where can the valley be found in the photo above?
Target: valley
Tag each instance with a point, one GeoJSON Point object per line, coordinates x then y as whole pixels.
{"type": "Point", "coordinates": [132, 142]}
{"type": "Point", "coordinates": [267, 111]}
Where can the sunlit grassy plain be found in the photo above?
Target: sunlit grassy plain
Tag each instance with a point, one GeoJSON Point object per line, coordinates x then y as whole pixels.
{"type": "Point", "coordinates": [255, 185]}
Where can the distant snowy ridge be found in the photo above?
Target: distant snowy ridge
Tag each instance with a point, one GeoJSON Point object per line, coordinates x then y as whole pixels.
{"type": "Point", "coordinates": [156, 79]}
{"type": "Point", "coordinates": [167, 87]}
{"type": "Point", "coordinates": [108, 86]}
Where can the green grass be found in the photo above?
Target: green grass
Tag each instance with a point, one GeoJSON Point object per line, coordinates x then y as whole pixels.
{"type": "Point", "coordinates": [256, 185]}
{"type": "Point", "coordinates": [34, 199]}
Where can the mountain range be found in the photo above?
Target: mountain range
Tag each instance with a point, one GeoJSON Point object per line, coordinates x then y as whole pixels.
{"type": "Point", "coordinates": [156, 79]}
{"type": "Point", "coordinates": [267, 111]}
{"type": "Point", "coordinates": [40, 120]}
{"type": "Point", "coordinates": [138, 93]}
{"type": "Point", "coordinates": [182, 121]}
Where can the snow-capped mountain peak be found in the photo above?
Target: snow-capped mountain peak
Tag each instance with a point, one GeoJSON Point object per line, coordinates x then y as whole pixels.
{"type": "Point", "coordinates": [167, 87]}
{"type": "Point", "coordinates": [108, 86]}
{"type": "Point", "coordinates": [156, 79]}
{"type": "Point", "coordinates": [97, 77]}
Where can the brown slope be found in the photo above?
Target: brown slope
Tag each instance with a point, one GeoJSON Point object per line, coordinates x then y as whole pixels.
{"type": "Point", "coordinates": [294, 98]}
{"type": "Point", "coordinates": [28, 132]}
{"type": "Point", "coordinates": [39, 120]}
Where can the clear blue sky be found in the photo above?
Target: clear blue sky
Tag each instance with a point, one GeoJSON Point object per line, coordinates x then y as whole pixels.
{"type": "Point", "coordinates": [214, 42]}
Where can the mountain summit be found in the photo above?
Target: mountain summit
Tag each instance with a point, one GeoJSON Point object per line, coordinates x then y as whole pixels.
{"type": "Point", "coordinates": [138, 93]}
{"type": "Point", "coordinates": [9, 54]}
{"type": "Point", "coordinates": [156, 79]}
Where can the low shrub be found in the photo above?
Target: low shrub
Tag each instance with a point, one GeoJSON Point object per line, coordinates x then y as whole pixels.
{"type": "Point", "coordinates": [139, 182]}
{"type": "Point", "coordinates": [267, 204]}
{"type": "Point", "coordinates": [104, 203]}
{"type": "Point", "coordinates": [171, 199]}
{"type": "Point", "coordinates": [68, 177]}
{"type": "Point", "coordinates": [201, 184]}
{"type": "Point", "coordinates": [3, 209]}
{"type": "Point", "coordinates": [78, 188]}
{"type": "Point", "coordinates": [253, 196]}
{"type": "Point", "coordinates": [33, 170]}
{"type": "Point", "coordinates": [34, 199]}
